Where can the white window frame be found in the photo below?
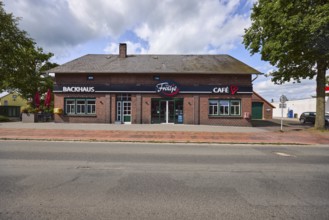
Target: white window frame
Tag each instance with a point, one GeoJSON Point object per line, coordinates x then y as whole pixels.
{"type": "Point", "coordinates": [70, 108]}
{"type": "Point", "coordinates": [80, 106]}
{"type": "Point", "coordinates": [224, 107]}
{"type": "Point", "coordinates": [213, 107]}
{"type": "Point", "coordinates": [235, 110]}
{"type": "Point", "coordinates": [91, 106]}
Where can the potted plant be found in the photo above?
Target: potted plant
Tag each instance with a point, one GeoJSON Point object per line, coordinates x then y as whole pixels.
{"type": "Point", "coordinates": [29, 114]}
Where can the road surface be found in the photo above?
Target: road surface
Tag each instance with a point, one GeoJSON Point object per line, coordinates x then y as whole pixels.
{"type": "Point", "coordinates": [81, 180]}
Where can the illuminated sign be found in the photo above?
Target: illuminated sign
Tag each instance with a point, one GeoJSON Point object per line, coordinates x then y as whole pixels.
{"type": "Point", "coordinates": [225, 89]}
{"type": "Point", "coordinates": [78, 89]}
{"type": "Point", "coordinates": [167, 88]}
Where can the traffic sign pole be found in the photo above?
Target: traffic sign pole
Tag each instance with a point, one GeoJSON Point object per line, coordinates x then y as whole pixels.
{"type": "Point", "coordinates": [283, 100]}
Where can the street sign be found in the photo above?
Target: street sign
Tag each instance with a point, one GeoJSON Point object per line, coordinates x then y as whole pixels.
{"type": "Point", "coordinates": [282, 105]}
{"type": "Point", "coordinates": [283, 99]}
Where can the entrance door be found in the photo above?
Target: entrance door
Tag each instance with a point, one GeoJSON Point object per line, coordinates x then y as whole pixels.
{"type": "Point", "coordinates": [167, 111]}
{"type": "Point", "coordinates": [257, 110]}
{"type": "Point", "coordinates": [124, 111]}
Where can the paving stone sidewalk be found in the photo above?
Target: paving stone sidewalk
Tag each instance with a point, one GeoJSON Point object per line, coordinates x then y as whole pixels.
{"type": "Point", "coordinates": [173, 134]}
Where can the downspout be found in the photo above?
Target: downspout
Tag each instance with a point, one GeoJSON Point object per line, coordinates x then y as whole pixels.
{"type": "Point", "coordinates": [255, 78]}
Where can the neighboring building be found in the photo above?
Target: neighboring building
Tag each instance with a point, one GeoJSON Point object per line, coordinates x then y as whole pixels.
{"type": "Point", "coordinates": [261, 109]}
{"type": "Point", "coordinates": [147, 89]}
{"type": "Point", "coordinates": [11, 104]}
{"type": "Point", "coordinates": [297, 107]}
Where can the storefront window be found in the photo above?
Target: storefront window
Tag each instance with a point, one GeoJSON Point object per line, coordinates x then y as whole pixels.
{"type": "Point", "coordinates": [213, 107]}
{"type": "Point", "coordinates": [80, 106]}
{"type": "Point", "coordinates": [224, 107]}
{"type": "Point", "coordinates": [91, 106]}
{"type": "Point", "coordinates": [70, 106]}
{"type": "Point", "coordinates": [124, 97]}
{"type": "Point", "coordinates": [235, 107]}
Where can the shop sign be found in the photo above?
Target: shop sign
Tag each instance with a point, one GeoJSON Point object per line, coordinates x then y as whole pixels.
{"type": "Point", "coordinates": [78, 89]}
{"type": "Point", "coordinates": [225, 89]}
{"type": "Point", "coordinates": [167, 88]}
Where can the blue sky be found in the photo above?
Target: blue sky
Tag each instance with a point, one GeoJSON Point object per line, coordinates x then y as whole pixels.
{"type": "Point", "coordinates": [73, 28]}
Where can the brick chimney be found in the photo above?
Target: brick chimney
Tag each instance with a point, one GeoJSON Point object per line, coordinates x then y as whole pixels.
{"type": "Point", "coordinates": [123, 50]}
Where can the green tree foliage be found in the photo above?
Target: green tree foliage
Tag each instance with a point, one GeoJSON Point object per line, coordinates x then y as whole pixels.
{"type": "Point", "coordinates": [294, 37]}
{"type": "Point", "coordinates": [21, 62]}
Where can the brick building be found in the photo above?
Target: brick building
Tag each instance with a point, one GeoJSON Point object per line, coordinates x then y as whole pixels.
{"type": "Point", "coordinates": [186, 89]}
{"type": "Point", "coordinates": [261, 108]}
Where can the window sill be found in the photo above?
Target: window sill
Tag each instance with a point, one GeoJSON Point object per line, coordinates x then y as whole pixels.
{"type": "Point", "coordinates": [82, 115]}
{"type": "Point", "coordinates": [225, 116]}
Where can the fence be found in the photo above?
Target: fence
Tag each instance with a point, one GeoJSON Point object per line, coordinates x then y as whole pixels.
{"type": "Point", "coordinates": [10, 111]}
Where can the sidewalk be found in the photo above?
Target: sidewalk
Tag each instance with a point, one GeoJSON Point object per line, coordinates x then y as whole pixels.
{"type": "Point", "coordinates": [263, 132]}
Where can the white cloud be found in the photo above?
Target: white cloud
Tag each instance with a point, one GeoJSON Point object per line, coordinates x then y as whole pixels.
{"type": "Point", "coordinates": [293, 91]}
{"type": "Point", "coordinates": [211, 22]}
{"type": "Point", "coordinates": [168, 26]}
{"type": "Point", "coordinates": [132, 48]}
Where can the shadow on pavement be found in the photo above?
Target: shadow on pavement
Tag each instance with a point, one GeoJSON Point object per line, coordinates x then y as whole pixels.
{"type": "Point", "coordinates": [265, 123]}
{"type": "Point", "coordinates": [275, 124]}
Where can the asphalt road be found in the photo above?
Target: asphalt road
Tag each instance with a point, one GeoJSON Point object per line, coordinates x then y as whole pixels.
{"type": "Point", "coordinates": [79, 180]}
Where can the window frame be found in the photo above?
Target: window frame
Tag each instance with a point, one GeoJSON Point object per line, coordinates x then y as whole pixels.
{"type": "Point", "coordinates": [225, 108]}
{"type": "Point", "coordinates": [236, 107]}
{"type": "Point", "coordinates": [91, 107]}
{"type": "Point", "coordinates": [213, 107]}
{"type": "Point", "coordinates": [79, 109]}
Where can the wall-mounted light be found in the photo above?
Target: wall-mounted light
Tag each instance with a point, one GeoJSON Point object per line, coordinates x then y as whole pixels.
{"type": "Point", "coordinates": [90, 77]}
{"type": "Point", "coordinates": [156, 78]}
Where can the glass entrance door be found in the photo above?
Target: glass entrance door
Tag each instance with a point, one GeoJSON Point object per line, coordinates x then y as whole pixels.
{"type": "Point", "coordinates": [167, 111]}
{"type": "Point", "coordinates": [124, 111]}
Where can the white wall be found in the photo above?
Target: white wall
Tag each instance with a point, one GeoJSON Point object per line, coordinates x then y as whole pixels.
{"type": "Point", "coordinates": [298, 107]}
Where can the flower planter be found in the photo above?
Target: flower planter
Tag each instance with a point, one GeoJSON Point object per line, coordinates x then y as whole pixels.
{"type": "Point", "coordinates": [29, 117]}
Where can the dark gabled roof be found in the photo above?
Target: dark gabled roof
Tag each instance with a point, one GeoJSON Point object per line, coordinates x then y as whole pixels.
{"type": "Point", "coordinates": [204, 64]}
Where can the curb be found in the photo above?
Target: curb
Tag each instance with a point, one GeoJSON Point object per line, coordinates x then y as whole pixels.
{"type": "Point", "coordinates": [288, 137]}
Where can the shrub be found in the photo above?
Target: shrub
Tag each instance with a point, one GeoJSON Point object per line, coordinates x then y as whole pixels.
{"type": "Point", "coordinates": [4, 119]}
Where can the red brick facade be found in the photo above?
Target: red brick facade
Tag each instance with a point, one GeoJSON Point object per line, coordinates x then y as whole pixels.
{"type": "Point", "coordinates": [195, 106]}
{"type": "Point", "coordinates": [267, 108]}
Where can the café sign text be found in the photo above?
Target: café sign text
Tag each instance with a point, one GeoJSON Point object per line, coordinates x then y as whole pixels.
{"type": "Point", "coordinates": [225, 89]}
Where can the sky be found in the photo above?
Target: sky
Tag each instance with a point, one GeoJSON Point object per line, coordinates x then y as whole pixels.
{"type": "Point", "coordinates": [72, 28]}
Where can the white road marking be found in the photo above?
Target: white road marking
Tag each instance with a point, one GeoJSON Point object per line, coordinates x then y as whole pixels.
{"type": "Point", "coordinates": [284, 154]}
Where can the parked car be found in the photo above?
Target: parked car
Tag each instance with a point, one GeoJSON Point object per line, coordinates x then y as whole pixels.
{"type": "Point", "coordinates": [309, 117]}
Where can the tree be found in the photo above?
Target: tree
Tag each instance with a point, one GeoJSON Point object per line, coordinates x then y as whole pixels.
{"type": "Point", "coordinates": [21, 62]}
{"type": "Point", "coordinates": [294, 37]}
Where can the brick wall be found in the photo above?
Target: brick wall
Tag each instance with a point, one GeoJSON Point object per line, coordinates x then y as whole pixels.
{"type": "Point", "coordinates": [267, 108]}
{"type": "Point", "coordinates": [195, 106]}
{"type": "Point", "coordinates": [147, 79]}
{"type": "Point", "coordinates": [146, 109]}
{"type": "Point", "coordinates": [223, 120]}
{"type": "Point", "coordinates": [101, 108]}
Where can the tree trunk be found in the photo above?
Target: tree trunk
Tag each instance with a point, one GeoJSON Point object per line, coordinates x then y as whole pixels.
{"type": "Point", "coordinates": [320, 95]}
